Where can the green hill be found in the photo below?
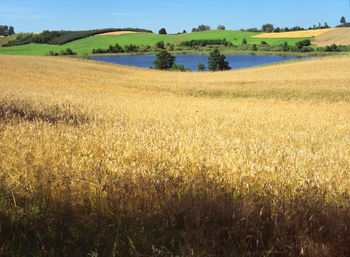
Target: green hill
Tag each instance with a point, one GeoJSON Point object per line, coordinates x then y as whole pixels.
{"type": "Point", "coordinates": [86, 45]}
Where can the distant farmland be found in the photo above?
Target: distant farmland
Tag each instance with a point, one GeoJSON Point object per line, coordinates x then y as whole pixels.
{"type": "Point", "coordinates": [294, 34]}
{"type": "Point", "coordinates": [86, 45]}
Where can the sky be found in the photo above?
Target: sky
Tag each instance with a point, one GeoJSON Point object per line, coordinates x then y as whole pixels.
{"type": "Point", "coordinates": [174, 15]}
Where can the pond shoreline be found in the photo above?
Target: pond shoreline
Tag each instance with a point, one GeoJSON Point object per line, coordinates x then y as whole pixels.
{"type": "Point", "coordinates": [227, 52]}
{"type": "Point", "coordinates": [191, 61]}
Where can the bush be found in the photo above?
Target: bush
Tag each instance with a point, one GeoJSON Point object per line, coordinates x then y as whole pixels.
{"type": "Point", "coordinates": [131, 48]}
{"type": "Point", "coordinates": [67, 51]}
{"type": "Point", "coordinates": [303, 43]}
{"type": "Point", "coordinates": [162, 31]}
{"type": "Point", "coordinates": [244, 41]}
{"type": "Point", "coordinates": [254, 48]}
{"type": "Point", "coordinates": [164, 60]}
{"type": "Point", "coordinates": [160, 45]}
{"type": "Point", "coordinates": [205, 42]}
{"type": "Point", "coordinates": [179, 67]}
{"type": "Point", "coordinates": [200, 66]}
{"type": "Point", "coordinates": [285, 47]}
{"type": "Point", "coordinates": [263, 43]}
{"type": "Point", "coordinates": [216, 61]}
{"type": "Point", "coordinates": [201, 28]}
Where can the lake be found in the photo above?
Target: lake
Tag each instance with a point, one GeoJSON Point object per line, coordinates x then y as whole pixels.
{"type": "Point", "coordinates": [191, 61]}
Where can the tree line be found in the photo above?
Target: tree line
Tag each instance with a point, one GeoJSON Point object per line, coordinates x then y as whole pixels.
{"type": "Point", "coordinates": [6, 30]}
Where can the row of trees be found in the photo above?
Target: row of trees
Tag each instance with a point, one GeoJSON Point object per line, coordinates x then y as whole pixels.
{"type": "Point", "coordinates": [216, 62]}
{"type": "Point", "coordinates": [6, 30]}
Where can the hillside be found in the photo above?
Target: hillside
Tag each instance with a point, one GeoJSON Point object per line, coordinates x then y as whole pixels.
{"type": "Point", "coordinates": [106, 160]}
{"type": "Point", "coordinates": [338, 36]}
{"type": "Point", "coordinates": [86, 45]}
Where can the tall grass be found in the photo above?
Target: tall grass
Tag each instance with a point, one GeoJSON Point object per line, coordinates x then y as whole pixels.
{"type": "Point", "coordinates": [104, 160]}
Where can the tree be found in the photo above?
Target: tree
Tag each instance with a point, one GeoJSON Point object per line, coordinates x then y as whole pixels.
{"type": "Point", "coordinates": [184, 32]}
{"type": "Point", "coordinates": [221, 27]}
{"type": "Point", "coordinates": [326, 26]}
{"type": "Point", "coordinates": [285, 47]}
{"type": "Point", "coordinates": [267, 27]}
{"type": "Point", "coordinates": [164, 60]}
{"type": "Point", "coordinates": [11, 30]}
{"type": "Point", "coordinates": [200, 66]}
{"type": "Point", "coordinates": [216, 61]}
{"type": "Point", "coordinates": [160, 44]}
{"type": "Point", "coordinates": [343, 20]}
{"type": "Point", "coordinates": [244, 41]}
{"type": "Point", "coordinates": [162, 31]}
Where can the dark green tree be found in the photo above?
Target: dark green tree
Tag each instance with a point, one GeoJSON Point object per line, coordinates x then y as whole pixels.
{"type": "Point", "coordinates": [164, 60]}
{"type": "Point", "coordinates": [244, 41]}
{"type": "Point", "coordinates": [267, 27]}
{"type": "Point", "coordinates": [160, 45]}
{"type": "Point", "coordinates": [285, 47]}
{"type": "Point", "coordinates": [216, 61]}
{"type": "Point", "coordinates": [221, 27]}
{"type": "Point", "coordinates": [343, 20]}
{"type": "Point", "coordinates": [11, 30]}
{"type": "Point", "coordinates": [162, 31]}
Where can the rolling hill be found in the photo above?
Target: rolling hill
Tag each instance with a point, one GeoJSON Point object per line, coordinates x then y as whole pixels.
{"type": "Point", "coordinates": [86, 45]}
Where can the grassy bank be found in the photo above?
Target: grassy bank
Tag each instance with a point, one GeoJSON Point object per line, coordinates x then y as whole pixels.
{"type": "Point", "coordinates": [105, 160]}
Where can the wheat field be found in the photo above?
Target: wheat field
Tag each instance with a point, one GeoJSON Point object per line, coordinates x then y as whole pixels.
{"type": "Point", "coordinates": [117, 33]}
{"type": "Point", "coordinates": [295, 34]}
{"type": "Point", "coordinates": [105, 160]}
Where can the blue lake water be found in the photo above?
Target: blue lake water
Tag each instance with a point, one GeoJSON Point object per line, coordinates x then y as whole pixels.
{"type": "Point", "coordinates": [191, 61]}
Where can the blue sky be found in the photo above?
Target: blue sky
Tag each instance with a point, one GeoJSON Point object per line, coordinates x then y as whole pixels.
{"type": "Point", "coordinates": [175, 16]}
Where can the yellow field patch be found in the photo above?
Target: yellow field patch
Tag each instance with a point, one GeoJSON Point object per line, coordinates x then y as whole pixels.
{"type": "Point", "coordinates": [295, 34]}
{"type": "Point", "coordinates": [117, 33]}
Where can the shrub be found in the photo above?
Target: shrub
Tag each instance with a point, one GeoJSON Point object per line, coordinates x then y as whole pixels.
{"type": "Point", "coordinates": [200, 66]}
{"type": "Point", "coordinates": [160, 44]}
{"type": "Point", "coordinates": [67, 51]}
{"type": "Point", "coordinates": [244, 41]}
{"type": "Point", "coordinates": [162, 31]}
{"type": "Point", "coordinates": [263, 43]}
{"type": "Point", "coordinates": [205, 42]}
{"type": "Point", "coordinates": [254, 48]}
{"type": "Point", "coordinates": [216, 61]}
{"type": "Point", "coordinates": [131, 48]}
{"type": "Point", "coordinates": [201, 28]}
{"type": "Point", "coordinates": [164, 60]}
{"type": "Point", "coordinates": [285, 47]}
{"type": "Point", "coordinates": [303, 43]}
{"type": "Point", "coordinates": [179, 67]}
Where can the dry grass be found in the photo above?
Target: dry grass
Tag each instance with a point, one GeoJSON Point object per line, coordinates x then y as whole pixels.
{"type": "Point", "coordinates": [111, 160]}
{"type": "Point", "coordinates": [116, 33]}
{"type": "Point", "coordinates": [339, 36]}
{"type": "Point", "coordinates": [295, 34]}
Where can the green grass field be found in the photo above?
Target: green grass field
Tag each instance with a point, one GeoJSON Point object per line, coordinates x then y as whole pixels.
{"type": "Point", "coordinates": [87, 44]}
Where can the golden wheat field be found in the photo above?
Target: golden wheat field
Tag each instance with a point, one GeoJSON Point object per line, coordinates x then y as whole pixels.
{"type": "Point", "coordinates": [295, 34]}
{"type": "Point", "coordinates": [116, 33]}
{"type": "Point", "coordinates": [125, 161]}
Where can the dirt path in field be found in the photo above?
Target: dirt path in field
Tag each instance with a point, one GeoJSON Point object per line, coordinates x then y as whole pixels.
{"type": "Point", "coordinates": [116, 33]}
{"type": "Point", "coordinates": [339, 36]}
